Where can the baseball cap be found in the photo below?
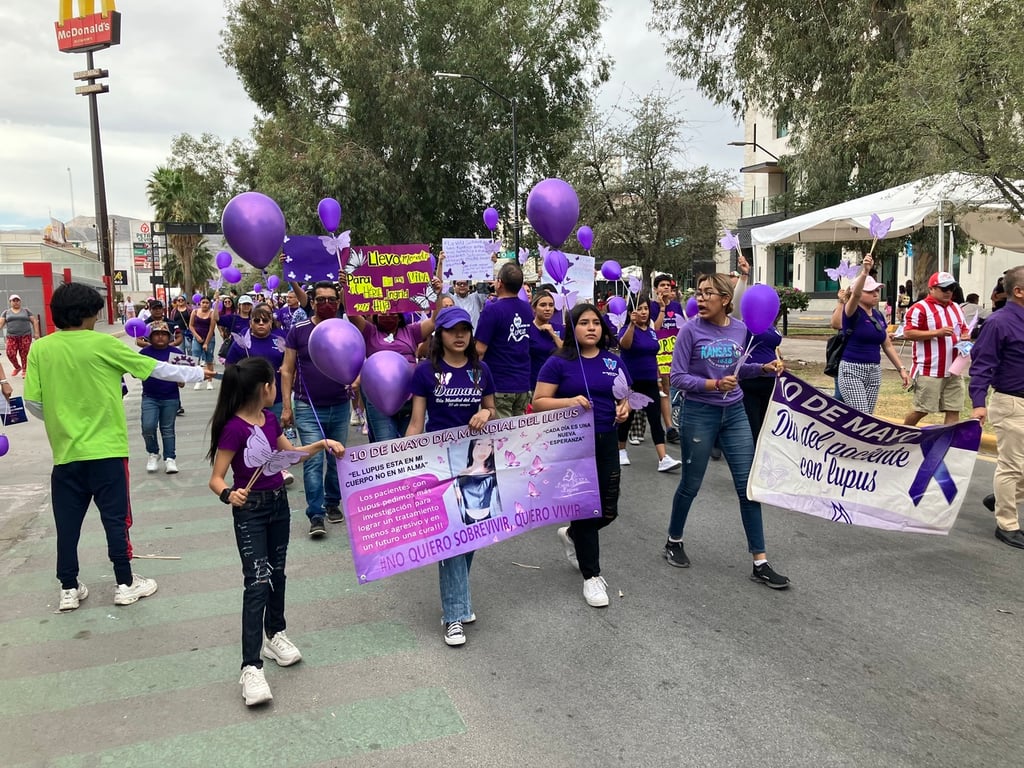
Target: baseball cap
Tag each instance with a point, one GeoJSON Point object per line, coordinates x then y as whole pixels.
{"type": "Point", "coordinates": [245, 299]}
{"type": "Point", "coordinates": [449, 317]}
{"type": "Point", "coordinates": [15, 296]}
{"type": "Point", "coordinates": [871, 285]}
{"type": "Point", "coordinates": [942, 280]}
{"type": "Point", "coordinates": [159, 327]}
{"type": "Point", "coordinates": [156, 304]}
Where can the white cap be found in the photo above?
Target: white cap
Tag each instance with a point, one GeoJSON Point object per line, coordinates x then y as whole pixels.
{"type": "Point", "coordinates": [15, 296]}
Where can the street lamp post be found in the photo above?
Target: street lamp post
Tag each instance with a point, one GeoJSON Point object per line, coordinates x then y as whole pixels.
{"type": "Point", "coordinates": [515, 143]}
{"type": "Point", "coordinates": [755, 145]}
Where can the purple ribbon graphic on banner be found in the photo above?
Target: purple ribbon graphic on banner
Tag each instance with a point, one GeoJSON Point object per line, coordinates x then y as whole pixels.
{"type": "Point", "coordinates": [934, 444]}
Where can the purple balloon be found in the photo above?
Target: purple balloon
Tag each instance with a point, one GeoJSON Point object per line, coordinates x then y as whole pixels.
{"type": "Point", "coordinates": [330, 213]}
{"type": "Point", "coordinates": [611, 270]}
{"type": "Point", "coordinates": [273, 281]}
{"type": "Point", "coordinates": [256, 287]}
{"type": "Point", "coordinates": [553, 210]}
{"type": "Point", "coordinates": [231, 275]}
{"type": "Point", "coordinates": [386, 380]}
{"type": "Point", "coordinates": [196, 298]}
{"type": "Point", "coordinates": [759, 306]}
{"type": "Point", "coordinates": [556, 265]}
{"type": "Point", "coordinates": [254, 227]}
{"type": "Point", "coordinates": [223, 260]}
{"type": "Point", "coordinates": [135, 327]}
{"type": "Point", "coordinates": [586, 237]}
{"type": "Point", "coordinates": [491, 219]}
{"type": "Point", "coordinates": [5, 445]}
{"type": "Point", "coordinates": [616, 305]}
{"type": "Point", "coordinates": [523, 294]}
{"type": "Point", "coordinates": [691, 309]}
{"type": "Point", "coordinates": [337, 349]}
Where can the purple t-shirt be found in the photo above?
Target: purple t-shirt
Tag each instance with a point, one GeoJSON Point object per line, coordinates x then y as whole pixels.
{"type": "Point", "coordinates": [708, 351]}
{"type": "Point", "coordinates": [865, 341]}
{"type": "Point", "coordinates": [270, 348]}
{"type": "Point", "coordinates": [641, 358]}
{"type": "Point", "coordinates": [311, 386]}
{"type": "Point", "coordinates": [765, 344]}
{"type": "Point", "coordinates": [505, 328]}
{"type": "Point", "coordinates": [155, 388]}
{"type": "Point", "coordinates": [674, 317]}
{"type": "Point", "coordinates": [599, 372]}
{"type": "Point", "coordinates": [403, 341]}
{"type": "Point", "coordinates": [236, 436]}
{"type": "Point", "coordinates": [542, 346]}
{"type": "Point", "coordinates": [452, 394]}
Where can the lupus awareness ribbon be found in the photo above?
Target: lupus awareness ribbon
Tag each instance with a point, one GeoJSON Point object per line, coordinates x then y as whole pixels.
{"type": "Point", "coordinates": [934, 444]}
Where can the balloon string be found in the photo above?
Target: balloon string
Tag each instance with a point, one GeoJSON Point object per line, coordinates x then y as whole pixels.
{"type": "Point", "coordinates": [312, 407]}
{"type": "Point", "coordinates": [579, 353]}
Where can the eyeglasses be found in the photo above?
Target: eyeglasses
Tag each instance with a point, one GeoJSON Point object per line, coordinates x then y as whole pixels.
{"type": "Point", "coordinates": [708, 294]}
{"type": "Point", "coordinates": [325, 300]}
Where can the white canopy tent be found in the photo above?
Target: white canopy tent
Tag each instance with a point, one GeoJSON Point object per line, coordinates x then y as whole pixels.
{"type": "Point", "coordinates": [972, 201]}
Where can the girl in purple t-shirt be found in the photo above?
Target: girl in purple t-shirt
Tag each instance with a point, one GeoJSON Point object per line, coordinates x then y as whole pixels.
{"type": "Point", "coordinates": [453, 388]}
{"type": "Point", "coordinates": [582, 374]}
{"type": "Point", "coordinates": [244, 436]}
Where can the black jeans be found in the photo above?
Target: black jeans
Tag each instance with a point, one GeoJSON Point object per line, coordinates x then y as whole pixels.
{"type": "Point", "coordinates": [652, 411]}
{"type": "Point", "coordinates": [757, 396]}
{"type": "Point", "coordinates": [261, 532]}
{"type": "Point", "coordinates": [72, 487]}
{"type": "Point", "coordinates": [584, 533]}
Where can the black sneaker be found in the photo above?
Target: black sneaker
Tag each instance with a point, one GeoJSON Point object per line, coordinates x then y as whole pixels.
{"type": "Point", "coordinates": [454, 634]}
{"type": "Point", "coordinates": [316, 527]}
{"type": "Point", "coordinates": [676, 555]}
{"type": "Point", "coordinates": [181, 411]}
{"type": "Point", "coordinates": [716, 453]}
{"type": "Point", "coordinates": [672, 435]}
{"type": "Point", "coordinates": [335, 515]}
{"type": "Point", "coordinates": [763, 574]}
{"type": "Point", "coordinates": [990, 502]}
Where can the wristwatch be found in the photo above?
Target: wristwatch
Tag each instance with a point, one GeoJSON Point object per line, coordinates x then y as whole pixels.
{"type": "Point", "coordinates": [225, 494]}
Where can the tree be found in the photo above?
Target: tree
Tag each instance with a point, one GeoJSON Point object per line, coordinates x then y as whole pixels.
{"type": "Point", "coordinates": [875, 93]}
{"type": "Point", "coordinates": [203, 269]}
{"type": "Point", "coordinates": [175, 197]}
{"type": "Point", "coordinates": [634, 193]}
{"type": "Point", "coordinates": [352, 109]}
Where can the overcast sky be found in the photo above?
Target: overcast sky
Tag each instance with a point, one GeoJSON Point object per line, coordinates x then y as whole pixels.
{"type": "Point", "coordinates": [168, 78]}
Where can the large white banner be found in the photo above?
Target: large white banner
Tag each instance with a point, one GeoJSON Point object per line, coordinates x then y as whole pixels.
{"type": "Point", "coordinates": [468, 258]}
{"type": "Point", "coordinates": [819, 456]}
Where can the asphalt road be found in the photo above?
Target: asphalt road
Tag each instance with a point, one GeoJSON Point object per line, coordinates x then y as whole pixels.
{"type": "Point", "coordinates": [889, 650]}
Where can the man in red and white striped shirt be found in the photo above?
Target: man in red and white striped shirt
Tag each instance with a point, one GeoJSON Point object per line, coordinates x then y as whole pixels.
{"type": "Point", "coordinates": [935, 324]}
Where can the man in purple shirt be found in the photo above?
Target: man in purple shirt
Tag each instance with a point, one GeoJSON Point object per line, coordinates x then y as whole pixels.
{"type": "Point", "coordinates": [503, 341]}
{"type": "Point", "coordinates": [320, 404]}
{"type": "Point", "coordinates": [997, 361]}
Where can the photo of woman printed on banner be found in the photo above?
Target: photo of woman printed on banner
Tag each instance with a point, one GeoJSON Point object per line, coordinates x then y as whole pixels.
{"type": "Point", "coordinates": [476, 479]}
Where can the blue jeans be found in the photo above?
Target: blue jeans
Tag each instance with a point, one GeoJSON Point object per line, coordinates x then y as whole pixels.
{"type": "Point", "coordinates": [204, 354]}
{"type": "Point", "coordinates": [701, 425]}
{"type": "Point", "coordinates": [384, 427]}
{"type": "Point", "coordinates": [261, 533]}
{"type": "Point", "coordinates": [453, 575]}
{"type": "Point", "coordinates": [160, 413]}
{"type": "Point", "coordinates": [334, 418]}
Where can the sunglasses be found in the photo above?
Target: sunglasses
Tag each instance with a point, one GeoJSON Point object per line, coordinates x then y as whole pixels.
{"type": "Point", "coordinates": [325, 300]}
{"type": "Point", "coordinates": [260, 320]}
{"type": "Point", "coordinates": [946, 288]}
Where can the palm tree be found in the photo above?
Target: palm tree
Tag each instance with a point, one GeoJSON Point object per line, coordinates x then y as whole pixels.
{"type": "Point", "coordinates": [203, 268]}
{"type": "Point", "coordinates": [175, 199]}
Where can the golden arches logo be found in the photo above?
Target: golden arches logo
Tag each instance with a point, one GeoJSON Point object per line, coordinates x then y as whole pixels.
{"type": "Point", "coordinates": [85, 8]}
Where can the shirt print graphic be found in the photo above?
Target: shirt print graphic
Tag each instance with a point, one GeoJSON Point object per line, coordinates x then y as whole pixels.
{"type": "Point", "coordinates": [518, 330]}
{"type": "Point", "coordinates": [721, 354]}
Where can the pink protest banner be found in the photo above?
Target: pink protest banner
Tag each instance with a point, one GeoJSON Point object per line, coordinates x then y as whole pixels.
{"type": "Point", "coordinates": [388, 278]}
{"type": "Point", "coordinates": [417, 500]}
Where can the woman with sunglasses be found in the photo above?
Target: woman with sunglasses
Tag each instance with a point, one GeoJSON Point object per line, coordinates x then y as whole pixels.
{"type": "Point", "coordinates": [704, 365]}
{"type": "Point", "coordinates": [860, 369]}
{"type": "Point", "coordinates": [264, 341]}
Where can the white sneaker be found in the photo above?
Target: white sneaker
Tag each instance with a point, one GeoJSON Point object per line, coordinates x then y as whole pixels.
{"type": "Point", "coordinates": [69, 597]}
{"type": "Point", "coordinates": [667, 464]}
{"type": "Point", "coordinates": [623, 458]}
{"type": "Point", "coordinates": [282, 650]}
{"type": "Point", "coordinates": [154, 460]}
{"type": "Point", "coordinates": [128, 594]}
{"type": "Point", "coordinates": [170, 467]}
{"type": "Point", "coordinates": [356, 420]}
{"type": "Point", "coordinates": [634, 441]}
{"type": "Point", "coordinates": [570, 547]}
{"type": "Point", "coordinates": [209, 385]}
{"type": "Point", "coordinates": [198, 386]}
{"type": "Point", "coordinates": [595, 592]}
{"type": "Point", "coordinates": [254, 686]}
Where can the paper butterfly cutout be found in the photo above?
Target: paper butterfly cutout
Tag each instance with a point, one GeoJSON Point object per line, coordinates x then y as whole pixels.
{"type": "Point", "coordinates": [730, 241]}
{"type": "Point", "coordinates": [618, 319]}
{"type": "Point", "coordinates": [634, 284]}
{"type": "Point", "coordinates": [621, 390]}
{"type": "Point", "coordinates": [258, 454]}
{"type": "Point", "coordinates": [524, 254]}
{"type": "Point", "coordinates": [566, 299]}
{"type": "Point", "coordinates": [544, 251]}
{"type": "Point", "coordinates": [215, 283]}
{"type": "Point", "coordinates": [335, 245]}
{"type": "Point", "coordinates": [493, 246]}
{"type": "Point", "coordinates": [510, 459]}
{"type": "Point", "coordinates": [879, 228]}
{"type": "Point", "coordinates": [537, 466]}
{"type": "Point", "coordinates": [243, 339]}
{"type": "Point", "coordinates": [845, 269]}
{"type": "Point", "coordinates": [356, 259]}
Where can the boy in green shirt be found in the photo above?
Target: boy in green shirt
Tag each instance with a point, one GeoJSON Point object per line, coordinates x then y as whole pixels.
{"type": "Point", "coordinates": [74, 385]}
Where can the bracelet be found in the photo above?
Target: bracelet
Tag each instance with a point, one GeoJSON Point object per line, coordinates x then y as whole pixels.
{"type": "Point", "coordinates": [225, 495]}
{"type": "Point", "coordinates": [718, 385]}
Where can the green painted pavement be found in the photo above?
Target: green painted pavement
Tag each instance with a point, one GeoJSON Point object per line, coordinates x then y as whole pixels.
{"type": "Point", "coordinates": [163, 608]}
{"type": "Point", "coordinates": [121, 680]}
{"type": "Point", "coordinates": [313, 737]}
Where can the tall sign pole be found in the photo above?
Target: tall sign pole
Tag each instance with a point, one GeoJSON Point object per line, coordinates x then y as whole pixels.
{"type": "Point", "coordinates": [86, 33]}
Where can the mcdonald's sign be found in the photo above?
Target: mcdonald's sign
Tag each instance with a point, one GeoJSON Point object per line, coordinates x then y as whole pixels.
{"type": "Point", "coordinates": [89, 31]}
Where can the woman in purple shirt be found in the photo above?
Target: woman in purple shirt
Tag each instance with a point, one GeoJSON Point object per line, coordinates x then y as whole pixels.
{"type": "Point", "coordinates": [704, 365]}
{"type": "Point", "coordinates": [860, 369]}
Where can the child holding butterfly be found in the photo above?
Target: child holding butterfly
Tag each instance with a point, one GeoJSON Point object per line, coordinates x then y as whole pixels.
{"type": "Point", "coordinates": [452, 388]}
{"type": "Point", "coordinates": [584, 374]}
{"type": "Point", "coordinates": [243, 431]}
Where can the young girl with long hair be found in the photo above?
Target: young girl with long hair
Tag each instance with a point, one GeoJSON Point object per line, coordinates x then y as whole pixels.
{"type": "Point", "coordinates": [453, 388]}
{"type": "Point", "coordinates": [243, 432]}
{"type": "Point", "coordinates": [544, 339]}
{"type": "Point", "coordinates": [581, 373]}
